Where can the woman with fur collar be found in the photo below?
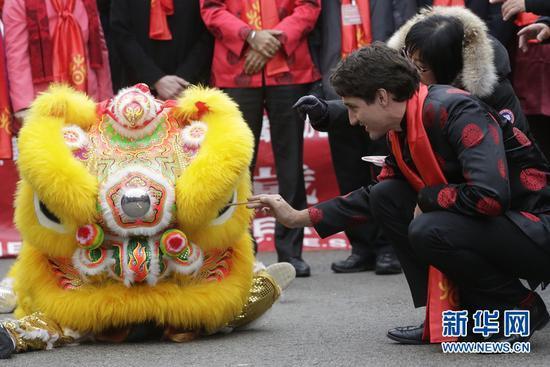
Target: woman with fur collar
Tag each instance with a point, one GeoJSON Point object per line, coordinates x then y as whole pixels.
{"type": "Point", "coordinates": [463, 54]}
{"type": "Point", "coordinates": [451, 45]}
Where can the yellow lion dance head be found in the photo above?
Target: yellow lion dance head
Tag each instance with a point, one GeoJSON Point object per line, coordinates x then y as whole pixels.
{"type": "Point", "coordinates": [123, 210]}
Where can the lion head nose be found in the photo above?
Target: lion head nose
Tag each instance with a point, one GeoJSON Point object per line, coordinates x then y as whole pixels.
{"type": "Point", "coordinates": [135, 202]}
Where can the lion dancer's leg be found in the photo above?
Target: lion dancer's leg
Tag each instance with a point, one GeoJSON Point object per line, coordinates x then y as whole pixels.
{"type": "Point", "coordinates": [33, 332]}
{"type": "Point", "coordinates": [265, 291]}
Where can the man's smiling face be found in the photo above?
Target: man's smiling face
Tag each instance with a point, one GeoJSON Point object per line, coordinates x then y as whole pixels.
{"type": "Point", "coordinates": [373, 117]}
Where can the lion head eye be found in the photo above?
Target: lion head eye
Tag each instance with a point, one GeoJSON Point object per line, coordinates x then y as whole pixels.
{"type": "Point", "coordinates": [46, 218]}
{"type": "Point", "coordinates": [226, 212]}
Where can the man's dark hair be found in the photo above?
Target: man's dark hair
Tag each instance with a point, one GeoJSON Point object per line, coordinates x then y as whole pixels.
{"type": "Point", "coordinates": [438, 40]}
{"type": "Point", "coordinates": [375, 67]}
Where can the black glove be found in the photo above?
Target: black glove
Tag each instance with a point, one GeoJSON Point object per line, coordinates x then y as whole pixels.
{"type": "Point", "coordinates": [314, 107]}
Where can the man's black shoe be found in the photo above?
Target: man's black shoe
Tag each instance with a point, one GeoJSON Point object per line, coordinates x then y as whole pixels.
{"type": "Point", "coordinates": [6, 344]}
{"type": "Point", "coordinates": [302, 268]}
{"type": "Point", "coordinates": [538, 319]}
{"type": "Point", "coordinates": [387, 263]}
{"type": "Point", "coordinates": [353, 264]}
{"type": "Point", "coordinates": [407, 334]}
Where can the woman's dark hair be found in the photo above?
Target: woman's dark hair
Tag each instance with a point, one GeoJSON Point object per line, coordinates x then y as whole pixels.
{"type": "Point", "coordinates": [374, 67]}
{"type": "Point", "coordinates": [438, 40]}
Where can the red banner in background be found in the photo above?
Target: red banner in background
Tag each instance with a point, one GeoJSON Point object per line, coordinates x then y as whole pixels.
{"type": "Point", "coordinates": [9, 237]}
{"type": "Point", "coordinates": [320, 182]}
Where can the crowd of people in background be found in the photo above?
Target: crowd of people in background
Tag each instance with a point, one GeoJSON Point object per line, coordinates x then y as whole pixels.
{"type": "Point", "coordinates": [267, 54]}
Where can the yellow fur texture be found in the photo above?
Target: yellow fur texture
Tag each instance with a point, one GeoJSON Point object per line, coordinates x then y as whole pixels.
{"type": "Point", "coordinates": [70, 192]}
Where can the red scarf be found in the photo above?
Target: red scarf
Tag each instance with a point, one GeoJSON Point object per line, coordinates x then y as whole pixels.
{"type": "Point", "coordinates": [448, 3]}
{"type": "Point", "coordinates": [523, 19]}
{"type": "Point", "coordinates": [5, 113]}
{"type": "Point", "coordinates": [441, 292]}
{"type": "Point", "coordinates": [429, 172]}
{"type": "Point", "coordinates": [263, 14]}
{"type": "Point", "coordinates": [69, 62]}
{"type": "Point", "coordinates": [356, 36]}
{"type": "Point", "coordinates": [41, 53]}
{"type": "Point", "coordinates": [158, 24]}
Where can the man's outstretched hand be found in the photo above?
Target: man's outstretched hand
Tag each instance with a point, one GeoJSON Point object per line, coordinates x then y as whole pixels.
{"type": "Point", "coordinates": [276, 206]}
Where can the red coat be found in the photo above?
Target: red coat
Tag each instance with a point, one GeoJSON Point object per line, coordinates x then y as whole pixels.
{"type": "Point", "coordinates": [223, 19]}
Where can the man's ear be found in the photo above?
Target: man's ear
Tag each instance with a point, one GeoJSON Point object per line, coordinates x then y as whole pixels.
{"type": "Point", "coordinates": [382, 97]}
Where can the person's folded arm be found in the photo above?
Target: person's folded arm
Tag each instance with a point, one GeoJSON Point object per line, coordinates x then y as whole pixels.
{"type": "Point", "coordinates": [224, 25]}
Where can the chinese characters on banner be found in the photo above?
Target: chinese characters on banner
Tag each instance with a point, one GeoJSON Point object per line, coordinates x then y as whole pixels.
{"type": "Point", "coordinates": [320, 183]}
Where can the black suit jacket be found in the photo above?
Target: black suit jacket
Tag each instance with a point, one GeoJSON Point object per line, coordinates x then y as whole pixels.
{"type": "Point", "coordinates": [188, 54]}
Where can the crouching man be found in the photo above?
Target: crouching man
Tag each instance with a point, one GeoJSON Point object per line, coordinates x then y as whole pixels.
{"type": "Point", "coordinates": [462, 190]}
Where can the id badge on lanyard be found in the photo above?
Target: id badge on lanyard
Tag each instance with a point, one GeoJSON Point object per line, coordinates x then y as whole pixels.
{"type": "Point", "coordinates": [350, 14]}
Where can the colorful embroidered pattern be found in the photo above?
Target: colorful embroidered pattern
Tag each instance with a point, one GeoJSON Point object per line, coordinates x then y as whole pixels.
{"type": "Point", "coordinates": [66, 274]}
{"type": "Point", "coordinates": [217, 265]}
{"type": "Point", "coordinates": [137, 261]}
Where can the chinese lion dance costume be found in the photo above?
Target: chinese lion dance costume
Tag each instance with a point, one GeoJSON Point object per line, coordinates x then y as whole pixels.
{"type": "Point", "coordinates": [125, 212]}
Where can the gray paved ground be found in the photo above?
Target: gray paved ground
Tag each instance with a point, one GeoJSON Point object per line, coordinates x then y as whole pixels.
{"type": "Point", "coordinates": [326, 320]}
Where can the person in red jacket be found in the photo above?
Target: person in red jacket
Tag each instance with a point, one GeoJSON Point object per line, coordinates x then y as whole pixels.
{"type": "Point", "coordinates": [262, 60]}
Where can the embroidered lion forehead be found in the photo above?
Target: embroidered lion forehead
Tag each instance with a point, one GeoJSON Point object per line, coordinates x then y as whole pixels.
{"type": "Point", "coordinates": [133, 169]}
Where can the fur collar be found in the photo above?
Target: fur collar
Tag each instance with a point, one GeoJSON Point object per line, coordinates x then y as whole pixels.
{"type": "Point", "coordinates": [479, 75]}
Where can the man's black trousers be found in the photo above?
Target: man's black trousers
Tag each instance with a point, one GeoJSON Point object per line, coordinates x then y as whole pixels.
{"type": "Point", "coordinates": [484, 256]}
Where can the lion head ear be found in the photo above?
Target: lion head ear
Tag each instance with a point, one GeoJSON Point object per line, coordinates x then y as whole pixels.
{"type": "Point", "coordinates": [64, 102]}
{"type": "Point", "coordinates": [46, 162]}
{"type": "Point", "coordinates": [210, 180]}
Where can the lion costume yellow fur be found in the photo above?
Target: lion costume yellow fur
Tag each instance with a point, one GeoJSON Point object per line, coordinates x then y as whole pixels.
{"type": "Point", "coordinates": [123, 210]}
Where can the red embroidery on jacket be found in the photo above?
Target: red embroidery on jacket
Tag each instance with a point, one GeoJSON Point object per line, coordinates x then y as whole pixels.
{"type": "Point", "coordinates": [472, 135]}
{"type": "Point", "coordinates": [493, 130]}
{"type": "Point", "coordinates": [532, 217]}
{"type": "Point", "coordinates": [501, 168]}
{"type": "Point", "coordinates": [533, 179]}
{"type": "Point", "coordinates": [489, 206]}
{"type": "Point", "coordinates": [315, 215]}
{"type": "Point", "coordinates": [447, 197]}
{"type": "Point", "coordinates": [521, 138]}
